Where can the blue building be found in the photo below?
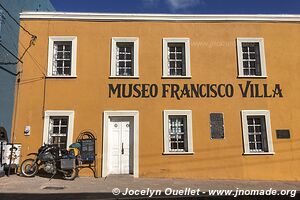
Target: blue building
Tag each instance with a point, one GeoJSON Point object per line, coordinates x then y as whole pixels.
{"type": "Point", "coordinates": [9, 35]}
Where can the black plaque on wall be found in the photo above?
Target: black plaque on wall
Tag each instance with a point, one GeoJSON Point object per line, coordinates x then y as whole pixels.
{"type": "Point", "coordinates": [217, 125]}
{"type": "Point", "coordinates": [283, 134]}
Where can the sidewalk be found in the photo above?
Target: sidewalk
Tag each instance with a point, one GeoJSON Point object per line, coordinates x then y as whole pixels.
{"type": "Point", "coordinates": [17, 184]}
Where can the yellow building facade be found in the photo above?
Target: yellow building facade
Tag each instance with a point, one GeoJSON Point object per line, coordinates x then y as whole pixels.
{"type": "Point", "coordinates": [173, 96]}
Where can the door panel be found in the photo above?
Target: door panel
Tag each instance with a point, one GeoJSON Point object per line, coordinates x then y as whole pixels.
{"type": "Point", "coordinates": [120, 146]}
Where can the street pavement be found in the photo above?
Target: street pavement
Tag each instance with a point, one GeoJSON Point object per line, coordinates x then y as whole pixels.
{"type": "Point", "coordinates": [16, 187]}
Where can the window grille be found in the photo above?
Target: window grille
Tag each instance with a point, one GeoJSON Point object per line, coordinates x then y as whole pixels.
{"type": "Point", "coordinates": [62, 56]}
{"type": "Point", "coordinates": [124, 58]}
{"type": "Point", "coordinates": [176, 59]}
{"type": "Point", "coordinates": [251, 59]}
{"type": "Point", "coordinates": [257, 134]}
{"type": "Point", "coordinates": [177, 134]}
{"type": "Point", "coordinates": [58, 131]}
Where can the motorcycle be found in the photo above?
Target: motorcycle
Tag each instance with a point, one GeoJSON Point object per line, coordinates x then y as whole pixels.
{"type": "Point", "coordinates": [52, 159]}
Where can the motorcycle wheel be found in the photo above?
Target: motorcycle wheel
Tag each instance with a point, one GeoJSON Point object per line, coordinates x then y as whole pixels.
{"type": "Point", "coordinates": [71, 174]}
{"type": "Point", "coordinates": [29, 168]}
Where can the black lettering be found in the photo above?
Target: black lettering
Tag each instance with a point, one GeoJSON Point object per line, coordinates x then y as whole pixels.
{"type": "Point", "coordinates": [153, 90]}
{"type": "Point", "coordinates": [174, 91]}
{"type": "Point", "coordinates": [195, 90]}
{"type": "Point", "coordinates": [145, 90]}
{"type": "Point", "coordinates": [136, 89]}
{"type": "Point", "coordinates": [213, 90]}
{"type": "Point", "coordinates": [185, 91]}
{"type": "Point", "coordinates": [257, 94]}
{"type": "Point", "coordinates": [201, 91]}
{"type": "Point", "coordinates": [220, 90]}
{"type": "Point", "coordinates": [245, 90]}
{"type": "Point", "coordinates": [266, 91]}
{"type": "Point", "coordinates": [229, 90]}
{"type": "Point", "coordinates": [277, 91]}
{"type": "Point", "coordinates": [165, 90]}
{"type": "Point", "coordinates": [113, 90]}
{"type": "Point", "coordinates": [129, 94]}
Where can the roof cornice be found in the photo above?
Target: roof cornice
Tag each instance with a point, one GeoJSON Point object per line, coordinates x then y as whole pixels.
{"type": "Point", "coordinates": [157, 17]}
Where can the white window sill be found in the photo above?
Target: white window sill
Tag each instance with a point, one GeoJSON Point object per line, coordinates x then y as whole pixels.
{"type": "Point", "coordinates": [124, 77]}
{"type": "Point", "coordinates": [51, 76]}
{"type": "Point", "coordinates": [243, 76]}
{"type": "Point", "coordinates": [178, 153]}
{"type": "Point", "coordinates": [177, 77]}
{"type": "Point", "coordinates": [259, 153]}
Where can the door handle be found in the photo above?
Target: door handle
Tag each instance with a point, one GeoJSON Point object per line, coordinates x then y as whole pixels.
{"type": "Point", "coordinates": [122, 150]}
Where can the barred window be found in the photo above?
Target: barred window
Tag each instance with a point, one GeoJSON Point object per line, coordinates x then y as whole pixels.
{"type": "Point", "coordinates": [177, 133]}
{"type": "Point", "coordinates": [124, 58]}
{"type": "Point", "coordinates": [251, 57]}
{"type": "Point", "coordinates": [62, 56]}
{"type": "Point", "coordinates": [176, 59]}
{"type": "Point", "coordinates": [257, 134]}
{"type": "Point", "coordinates": [62, 51]}
{"type": "Point", "coordinates": [58, 131]}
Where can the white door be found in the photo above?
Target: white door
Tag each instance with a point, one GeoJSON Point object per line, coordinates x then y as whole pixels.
{"type": "Point", "coordinates": [120, 146]}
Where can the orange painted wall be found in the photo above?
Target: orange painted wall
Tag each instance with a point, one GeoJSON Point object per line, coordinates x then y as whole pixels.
{"type": "Point", "coordinates": [213, 60]}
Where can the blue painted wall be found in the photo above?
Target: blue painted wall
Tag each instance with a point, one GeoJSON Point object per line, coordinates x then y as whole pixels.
{"type": "Point", "coordinates": [9, 34]}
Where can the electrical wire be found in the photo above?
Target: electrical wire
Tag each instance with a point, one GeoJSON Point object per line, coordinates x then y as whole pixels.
{"type": "Point", "coordinates": [33, 36]}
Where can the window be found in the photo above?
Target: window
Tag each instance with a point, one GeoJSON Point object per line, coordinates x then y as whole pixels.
{"type": "Point", "coordinates": [176, 55]}
{"type": "Point", "coordinates": [124, 59]}
{"type": "Point", "coordinates": [62, 56]}
{"type": "Point", "coordinates": [58, 128]}
{"type": "Point", "coordinates": [251, 57]}
{"type": "Point", "coordinates": [257, 132]}
{"type": "Point", "coordinates": [178, 132]}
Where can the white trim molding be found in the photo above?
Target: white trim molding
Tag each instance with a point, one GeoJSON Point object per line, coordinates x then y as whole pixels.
{"type": "Point", "coordinates": [51, 113]}
{"type": "Point", "coordinates": [113, 66]}
{"type": "Point", "coordinates": [266, 114]}
{"type": "Point", "coordinates": [53, 39]}
{"type": "Point", "coordinates": [187, 63]}
{"type": "Point", "coordinates": [106, 119]}
{"type": "Point", "coordinates": [158, 17]}
{"type": "Point", "coordinates": [189, 128]}
{"type": "Point", "coordinates": [263, 69]}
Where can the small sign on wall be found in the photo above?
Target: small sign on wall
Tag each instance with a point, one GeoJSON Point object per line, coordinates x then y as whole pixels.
{"type": "Point", "coordinates": [217, 125]}
{"type": "Point", "coordinates": [27, 130]}
{"type": "Point", "coordinates": [283, 134]}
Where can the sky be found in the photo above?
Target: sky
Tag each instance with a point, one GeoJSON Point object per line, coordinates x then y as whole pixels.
{"type": "Point", "coordinates": [180, 6]}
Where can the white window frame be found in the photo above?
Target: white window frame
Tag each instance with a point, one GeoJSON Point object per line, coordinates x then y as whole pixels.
{"type": "Point", "coordinates": [53, 39]}
{"type": "Point", "coordinates": [113, 68]}
{"type": "Point", "coordinates": [54, 113]}
{"type": "Point", "coordinates": [186, 42]}
{"type": "Point", "coordinates": [189, 125]}
{"type": "Point", "coordinates": [266, 114]}
{"type": "Point", "coordinates": [262, 57]}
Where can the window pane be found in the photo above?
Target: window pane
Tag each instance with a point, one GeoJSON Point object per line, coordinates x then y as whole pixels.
{"type": "Point", "coordinates": [176, 59]}
{"type": "Point", "coordinates": [257, 134]}
{"type": "Point", "coordinates": [177, 128]}
{"type": "Point", "coordinates": [62, 57]}
{"type": "Point", "coordinates": [125, 51]}
{"type": "Point", "coordinates": [58, 130]}
{"type": "Point", "coordinates": [251, 57]}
